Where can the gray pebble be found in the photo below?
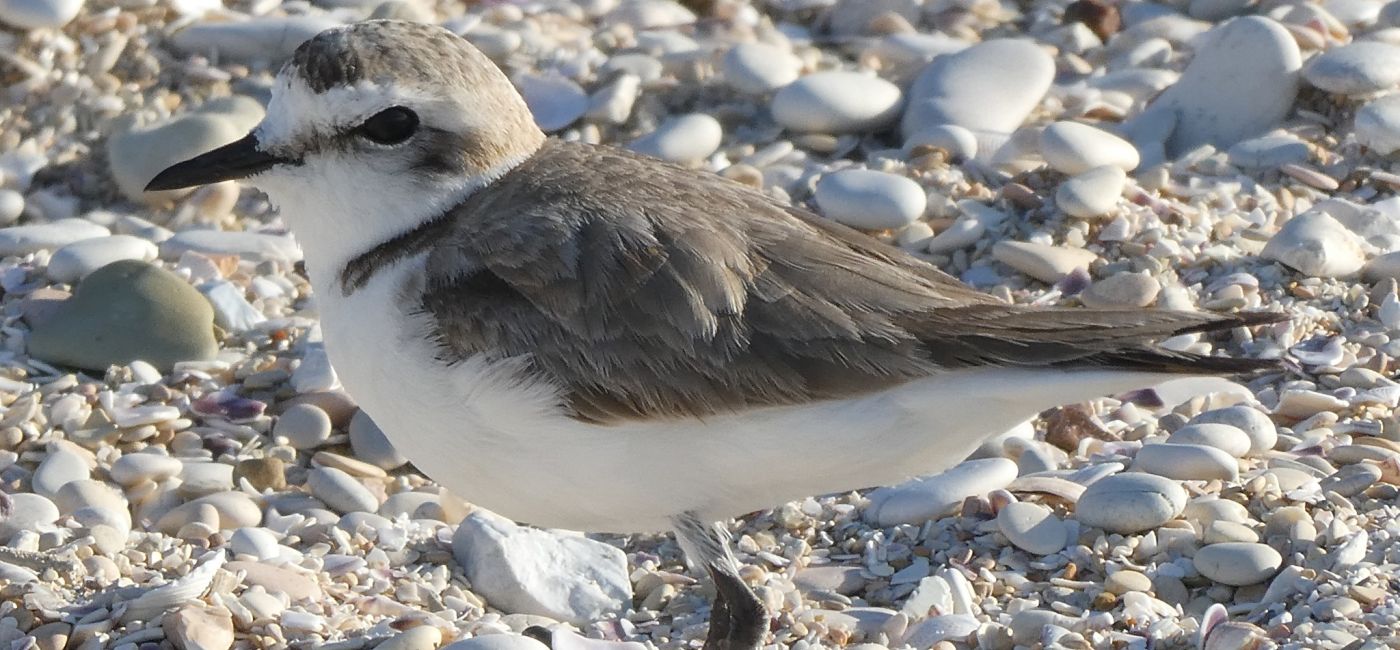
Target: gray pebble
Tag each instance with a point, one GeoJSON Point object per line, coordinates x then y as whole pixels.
{"type": "Point", "coordinates": [340, 491]}
{"type": "Point", "coordinates": [1130, 503]}
{"type": "Point", "coordinates": [371, 445]}
{"type": "Point", "coordinates": [304, 426]}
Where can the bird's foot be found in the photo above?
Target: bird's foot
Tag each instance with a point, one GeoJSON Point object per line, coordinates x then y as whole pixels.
{"type": "Point", "coordinates": [738, 620]}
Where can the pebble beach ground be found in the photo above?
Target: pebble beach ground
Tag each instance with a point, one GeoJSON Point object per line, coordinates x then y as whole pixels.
{"type": "Point", "coordinates": [1222, 155]}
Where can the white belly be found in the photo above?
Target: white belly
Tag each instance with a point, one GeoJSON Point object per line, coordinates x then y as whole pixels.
{"type": "Point", "coordinates": [500, 440]}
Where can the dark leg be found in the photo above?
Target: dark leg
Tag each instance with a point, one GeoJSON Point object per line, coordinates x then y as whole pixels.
{"type": "Point", "coordinates": [738, 620]}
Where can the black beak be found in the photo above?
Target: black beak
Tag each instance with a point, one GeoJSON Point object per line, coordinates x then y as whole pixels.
{"type": "Point", "coordinates": [232, 161]}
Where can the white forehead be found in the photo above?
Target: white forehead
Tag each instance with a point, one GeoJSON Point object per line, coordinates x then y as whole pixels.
{"type": "Point", "coordinates": [295, 110]}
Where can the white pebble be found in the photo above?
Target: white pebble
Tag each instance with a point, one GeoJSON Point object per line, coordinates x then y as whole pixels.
{"type": "Point", "coordinates": [305, 426]}
{"type": "Point", "coordinates": [1130, 503]}
{"type": "Point", "coordinates": [1224, 437]}
{"type": "Point", "coordinates": [1316, 244]}
{"type": "Point", "coordinates": [1040, 261]}
{"type": "Point", "coordinates": [1074, 148]}
{"type": "Point", "coordinates": [340, 491]}
{"type": "Point", "coordinates": [1093, 193]}
{"type": "Point", "coordinates": [760, 68]}
{"type": "Point", "coordinates": [1238, 563]}
{"type": "Point", "coordinates": [683, 139]}
{"type": "Point", "coordinates": [38, 14]}
{"type": "Point", "coordinates": [836, 102]}
{"type": "Point", "coordinates": [1033, 528]}
{"type": "Point", "coordinates": [1262, 432]}
{"type": "Point", "coordinates": [74, 261]}
{"type": "Point", "coordinates": [869, 199]}
{"type": "Point", "coordinates": [930, 497]}
{"type": "Point", "coordinates": [1186, 462]}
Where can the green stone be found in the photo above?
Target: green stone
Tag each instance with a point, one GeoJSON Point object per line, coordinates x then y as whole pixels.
{"type": "Point", "coordinates": [125, 311]}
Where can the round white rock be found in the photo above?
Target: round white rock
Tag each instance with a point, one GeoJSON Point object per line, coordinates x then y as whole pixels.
{"type": "Point", "coordinates": [869, 199]}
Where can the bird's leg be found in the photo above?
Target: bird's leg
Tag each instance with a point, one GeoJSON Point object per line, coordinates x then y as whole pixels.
{"type": "Point", "coordinates": [738, 620]}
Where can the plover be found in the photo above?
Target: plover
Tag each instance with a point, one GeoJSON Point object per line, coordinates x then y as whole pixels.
{"type": "Point", "coordinates": [579, 337]}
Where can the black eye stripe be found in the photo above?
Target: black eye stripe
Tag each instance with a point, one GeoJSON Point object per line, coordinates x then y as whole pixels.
{"type": "Point", "coordinates": [389, 126]}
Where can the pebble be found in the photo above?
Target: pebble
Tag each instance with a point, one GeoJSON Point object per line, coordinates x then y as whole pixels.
{"type": "Point", "coordinates": [234, 510]}
{"type": "Point", "coordinates": [1121, 290]}
{"type": "Point", "coordinates": [1074, 148]}
{"type": "Point", "coordinates": [1351, 480]}
{"type": "Point", "coordinates": [75, 261]}
{"type": "Point", "coordinates": [199, 627]}
{"type": "Point", "coordinates": [340, 491]}
{"type": "Point", "coordinates": [1092, 194]}
{"type": "Point", "coordinates": [423, 637]}
{"type": "Point", "coordinates": [1130, 503]}
{"type": "Point", "coordinates": [836, 102]}
{"type": "Point", "coordinates": [28, 512]}
{"type": "Point", "coordinates": [62, 466]}
{"type": "Point", "coordinates": [135, 154]}
{"type": "Point", "coordinates": [370, 443]}
{"type": "Point", "coordinates": [304, 426]}
{"type": "Point", "coordinates": [869, 199]}
{"type": "Point", "coordinates": [1033, 528]}
{"type": "Point", "coordinates": [855, 17]}
{"type": "Point", "coordinates": [921, 499]}
{"type": "Point", "coordinates": [11, 206]}
{"type": "Point", "coordinates": [496, 642]}
{"type": "Point", "coordinates": [23, 240]}
{"type": "Point", "coordinates": [555, 101]}
{"type": "Point", "coordinates": [262, 473]}
{"type": "Point", "coordinates": [39, 14]}
{"type": "Point", "coordinates": [268, 39]}
{"type": "Point", "coordinates": [684, 139]}
{"type": "Point", "coordinates": [1377, 125]}
{"type": "Point", "coordinates": [1208, 104]}
{"type": "Point", "coordinates": [125, 311]}
{"type": "Point", "coordinates": [1186, 462]}
{"type": "Point", "coordinates": [1219, 532]}
{"type": "Point", "coordinates": [1041, 261]}
{"type": "Point", "coordinates": [1268, 152]}
{"type": "Point", "coordinates": [531, 571]}
{"type": "Point", "coordinates": [843, 580]}
{"type": "Point", "coordinates": [1238, 563]}
{"type": "Point", "coordinates": [251, 246]}
{"type": "Point", "coordinates": [1316, 244]}
{"type": "Point", "coordinates": [1262, 433]}
{"type": "Point", "coordinates": [991, 86]}
{"type": "Point", "coordinates": [959, 143]}
{"type": "Point", "coordinates": [1124, 581]}
{"type": "Point", "coordinates": [298, 586]}
{"type": "Point", "coordinates": [260, 543]}
{"type": "Point", "coordinates": [760, 68]}
{"type": "Point", "coordinates": [1229, 439]}
{"type": "Point", "coordinates": [936, 631]}
{"type": "Point", "coordinates": [1028, 625]}
{"type": "Point", "coordinates": [1357, 68]}
{"type": "Point", "coordinates": [132, 469]}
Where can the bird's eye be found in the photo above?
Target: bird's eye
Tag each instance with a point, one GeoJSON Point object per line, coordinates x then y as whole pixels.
{"type": "Point", "coordinates": [390, 126]}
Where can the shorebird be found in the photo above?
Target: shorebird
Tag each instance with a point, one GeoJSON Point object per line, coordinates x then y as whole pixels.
{"type": "Point", "coordinates": [575, 336]}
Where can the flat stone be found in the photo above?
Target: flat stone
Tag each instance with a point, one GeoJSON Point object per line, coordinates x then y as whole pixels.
{"type": "Point", "coordinates": [1123, 289]}
{"type": "Point", "coordinates": [298, 586]}
{"type": "Point", "coordinates": [304, 426]}
{"type": "Point", "coordinates": [1033, 528]}
{"type": "Point", "coordinates": [1123, 581]}
{"type": "Point", "coordinates": [39, 14]}
{"type": "Point", "coordinates": [1377, 125]}
{"type": "Point", "coordinates": [75, 261]}
{"type": "Point", "coordinates": [930, 497]}
{"type": "Point", "coordinates": [29, 512]}
{"type": "Point", "coordinates": [1238, 563]}
{"type": "Point", "coordinates": [760, 68]}
{"type": "Point", "coordinates": [844, 580]}
{"type": "Point", "coordinates": [1040, 261]}
{"type": "Point", "coordinates": [837, 102]}
{"type": "Point", "coordinates": [1219, 532]}
{"type": "Point", "coordinates": [682, 139]}
{"type": "Point", "coordinates": [1186, 462]}
{"type": "Point", "coordinates": [1073, 148]}
{"type": "Point", "coordinates": [251, 246]}
{"type": "Point", "coordinates": [234, 510]}
{"type": "Point", "coordinates": [199, 627]}
{"type": "Point", "coordinates": [125, 311]}
{"type": "Point", "coordinates": [269, 39]}
{"type": "Point", "coordinates": [135, 468]}
{"type": "Point", "coordinates": [992, 86]}
{"type": "Point", "coordinates": [370, 443]}
{"type": "Point", "coordinates": [202, 478]}
{"type": "Point", "coordinates": [869, 199]}
{"type": "Point", "coordinates": [529, 571]}
{"type": "Point", "coordinates": [260, 543]}
{"type": "Point", "coordinates": [23, 240]}
{"type": "Point", "coordinates": [1229, 439]}
{"type": "Point", "coordinates": [1262, 432]}
{"type": "Point", "coordinates": [1357, 68]}
{"type": "Point", "coordinates": [1092, 194]}
{"type": "Point", "coordinates": [1130, 503]}
{"type": "Point", "coordinates": [1316, 244]}
{"type": "Point", "coordinates": [340, 491]}
{"type": "Point", "coordinates": [1268, 152]}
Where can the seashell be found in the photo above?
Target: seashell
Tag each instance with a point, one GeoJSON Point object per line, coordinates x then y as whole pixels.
{"type": "Point", "coordinates": [226, 404]}
{"type": "Point", "coordinates": [176, 592]}
{"type": "Point", "coordinates": [1319, 351]}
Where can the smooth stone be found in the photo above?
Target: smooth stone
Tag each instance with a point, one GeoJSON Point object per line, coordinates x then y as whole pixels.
{"type": "Point", "coordinates": [844, 580]}
{"type": "Point", "coordinates": [760, 68]}
{"type": "Point", "coordinates": [853, 17]}
{"type": "Point", "coordinates": [1216, 10]}
{"type": "Point", "coordinates": [869, 199]}
{"type": "Point", "coordinates": [304, 426]}
{"type": "Point", "coordinates": [199, 627]}
{"type": "Point", "coordinates": [1073, 148]}
{"type": "Point", "coordinates": [1186, 462]}
{"type": "Point", "coordinates": [496, 642]}
{"type": "Point", "coordinates": [937, 631]}
{"type": "Point", "coordinates": [1041, 261]}
{"type": "Point", "coordinates": [991, 86]}
{"type": "Point", "coordinates": [297, 585]}
{"type": "Point", "coordinates": [423, 637]}
{"type": "Point", "coordinates": [930, 497]}
{"type": "Point", "coordinates": [400, 10]}
{"type": "Point", "coordinates": [523, 570]}
{"type": "Point", "coordinates": [199, 478]}
{"type": "Point", "coordinates": [340, 491]}
{"type": "Point", "coordinates": [1028, 625]}
{"type": "Point", "coordinates": [1351, 480]}
{"type": "Point", "coordinates": [11, 206]}
{"type": "Point", "coordinates": [961, 144]}
{"type": "Point", "coordinates": [232, 311]}
{"type": "Point", "coordinates": [315, 375]}
{"type": "Point", "coordinates": [1220, 532]}
{"type": "Point", "coordinates": [39, 14]}
{"type": "Point", "coordinates": [132, 469]}
{"type": "Point", "coordinates": [371, 445]}
{"type": "Point", "coordinates": [406, 503]}
{"type": "Point", "coordinates": [1316, 244]}
{"type": "Point", "coordinates": [1092, 194]}
{"type": "Point", "coordinates": [135, 154]}
{"type": "Point", "coordinates": [1377, 125]}
{"type": "Point", "coordinates": [23, 240]}
{"type": "Point", "coordinates": [1130, 503]}
{"type": "Point", "coordinates": [234, 509]}
{"type": "Point", "coordinates": [262, 473]}
{"type": "Point", "coordinates": [262, 38]}
{"type": "Point", "coordinates": [1224, 437]}
{"type": "Point", "coordinates": [1124, 581]}
{"type": "Point", "coordinates": [1357, 68]}
{"type": "Point", "coordinates": [836, 102]}
{"type": "Point", "coordinates": [555, 101]}
{"type": "Point", "coordinates": [649, 14]}
{"type": "Point", "coordinates": [683, 139]}
{"type": "Point", "coordinates": [125, 311]}
{"type": "Point", "coordinates": [62, 466]}
{"type": "Point", "coordinates": [1268, 152]}
{"type": "Point", "coordinates": [75, 261]}
{"type": "Point", "coordinates": [251, 246]}
{"type": "Point", "coordinates": [1123, 289]}
{"type": "Point", "coordinates": [260, 543]}
{"type": "Point", "coordinates": [1241, 82]}
{"type": "Point", "coordinates": [1033, 528]}
{"type": "Point", "coordinates": [28, 512]}
{"type": "Point", "coordinates": [1238, 563]}
{"type": "Point", "coordinates": [1262, 432]}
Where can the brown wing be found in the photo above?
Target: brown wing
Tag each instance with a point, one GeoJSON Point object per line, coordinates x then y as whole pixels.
{"type": "Point", "coordinates": [595, 264]}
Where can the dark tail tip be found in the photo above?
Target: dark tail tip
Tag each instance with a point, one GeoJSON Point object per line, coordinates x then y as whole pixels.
{"type": "Point", "coordinates": [1241, 319]}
